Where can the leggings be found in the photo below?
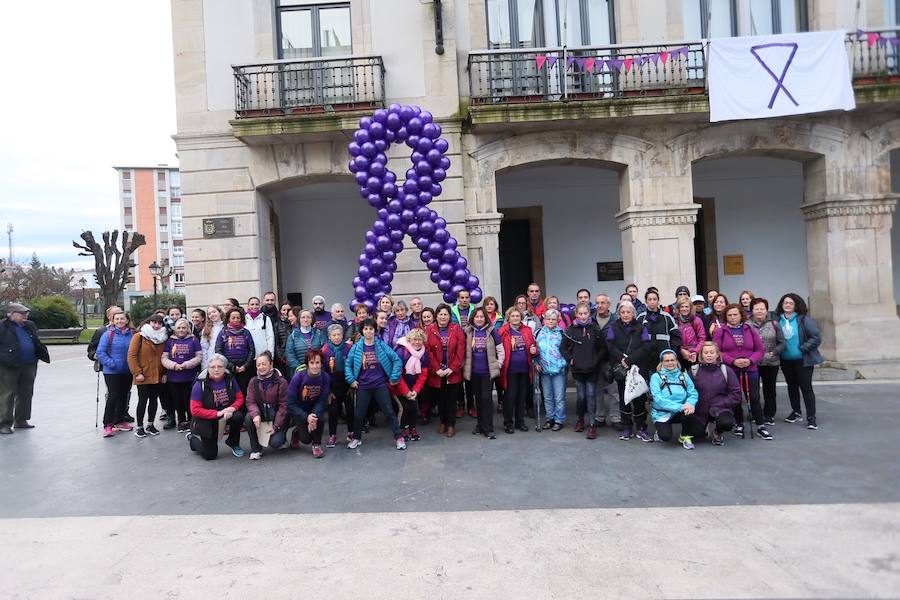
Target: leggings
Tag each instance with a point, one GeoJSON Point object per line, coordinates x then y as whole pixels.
{"type": "Point", "coordinates": [750, 387]}
{"type": "Point", "coordinates": [410, 412]}
{"type": "Point", "coordinates": [484, 401]}
{"type": "Point", "coordinates": [147, 393]}
{"type": "Point", "coordinates": [446, 397]}
{"type": "Point", "coordinates": [342, 400]}
{"type": "Point", "coordinates": [243, 379]}
{"type": "Point", "coordinates": [768, 376]}
{"type": "Point", "coordinates": [799, 380]}
{"type": "Point", "coordinates": [180, 394]}
{"type": "Point", "coordinates": [517, 386]}
{"type": "Point", "coordinates": [724, 421]}
{"type": "Point", "coordinates": [383, 398]}
{"type": "Point", "coordinates": [634, 413]}
{"type": "Point", "coordinates": [690, 426]}
{"type": "Point", "coordinates": [117, 387]}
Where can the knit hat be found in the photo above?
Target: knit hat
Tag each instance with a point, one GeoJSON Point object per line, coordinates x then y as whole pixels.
{"type": "Point", "coordinates": [15, 307]}
{"type": "Point", "coordinates": [682, 289]}
{"type": "Point", "coordinates": [698, 299]}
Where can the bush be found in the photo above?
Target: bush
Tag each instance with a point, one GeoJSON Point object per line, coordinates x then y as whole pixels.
{"type": "Point", "coordinates": [143, 307]}
{"type": "Point", "coordinates": [53, 312]}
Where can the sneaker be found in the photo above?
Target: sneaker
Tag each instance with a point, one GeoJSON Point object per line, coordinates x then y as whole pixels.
{"type": "Point", "coordinates": [401, 443]}
{"type": "Point", "coordinates": [656, 437]}
{"type": "Point", "coordinates": [237, 451]}
{"type": "Point", "coordinates": [548, 424]}
{"type": "Point", "coordinates": [152, 430]}
{"type": "Point", "coordinates": [763, 433]}
{"type": "Point", "coordinates": [738, 431]}
{"type": "Point", "coordinates": [255, 455]}
{"type": "Point", "coordinates": [643, 436]}
{"type": "Point", "coordinates": [491, 435]}
{"type": "Point", "coordinates": [626, 434]}
{"type": "Point", "coordinates": [349, 436]}
{"type": "Point", "coordinates": [793, 417]}
{"type": "Point", "coordinates": [477, 430]}
{"type": "Point", "coordinates": [170, 423]}
{"type": "Point", "coordinates": [184, 426]}
{"type": "Point", "coordinates": [332, 441]}
{"type": "Point", "coordinates": [139, 432]}
{"type": "Point", "coordinates": [108, 431]}
{"type": "Point", "coordinates": [811, 423]}
{"type": "Point", "coordinates": [354, 444]}
{"type": "Point", "coordinates": [317, 451]}
{"type": "Point", "coordinates": [414, 435]}
{"type": "Point", "coordinates": [128, 418]}
{"type": "Point", "coordinates": [718, 439]}
{"type": "Point", "coordinates": [123, 426]}
{"type": "Point", "coordinates": [579, 426]}
{"type": "Point", "coordinates": [295, 438]}
{"type": "Point", "coordinates": [769, 421]}
{"type": "Point", "coordinates": [592, 432]}
{"type": "Point", "coordinates": [556, 426]}
{"type": "Point", "coordinates": [686, 442]}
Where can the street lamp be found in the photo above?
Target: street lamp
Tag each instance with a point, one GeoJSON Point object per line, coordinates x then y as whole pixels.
{"type": "Point", "coordinates": [83, 283]}
{"type": "Point", "coordinates": [154, 270]}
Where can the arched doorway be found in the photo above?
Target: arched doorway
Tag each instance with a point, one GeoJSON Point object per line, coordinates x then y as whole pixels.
{"type": "Point", "coordinates": [559, 224]}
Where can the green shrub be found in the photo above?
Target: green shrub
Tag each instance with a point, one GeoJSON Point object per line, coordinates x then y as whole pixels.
{"type": "Point", "coordinates": [143, 307]}
{"type": "Point", "coordinates": [53, 312]}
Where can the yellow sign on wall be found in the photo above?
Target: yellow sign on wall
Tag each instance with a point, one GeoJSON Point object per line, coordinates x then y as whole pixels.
{"type": "Point", "coordinates": [734, 264]}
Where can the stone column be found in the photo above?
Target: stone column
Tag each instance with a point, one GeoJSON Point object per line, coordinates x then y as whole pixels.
{"type": "Point", "coordinates": [483, 237]}
{"type": "Point", "coordinates": [848, 239]}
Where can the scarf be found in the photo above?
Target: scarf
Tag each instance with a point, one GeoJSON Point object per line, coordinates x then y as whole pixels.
{"type": "Point", "coordinates": [154, 336]}
{"type": "Point", "coordinates": [305, 329]}
{"type": "Point", "coordinates": [252, 313]}
{"type": "Point", "coordinates": [414, 364]}
{"type": "Point", "coordinates": [582, 323]}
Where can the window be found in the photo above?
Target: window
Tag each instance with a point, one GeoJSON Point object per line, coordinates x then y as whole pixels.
{"type": "Point", "coordinates": [164, 245]}
{"type": "Point", "coordinates": [176, 226]}
{"type": "Point", "coordinates": [126, 174]}
{"type": "Point", "coordinates": [515, 24]}
{"type": "Point", "coordinates": [705, 19]}
{"type": "Point", "coordinates": [175, 211]}
{"type": "Point", "coordinates": [306, 31]}
{"type": "Point", "coordinates": [127, 211]}
{"type": "Point", "coordinates": [163, 210]}
{"type": "Point", "coordinates": [179, 277]}
{"type": "Point", "coordinates": [161, 181]}
{"type": "Point", "coordinates": [178, 260]}
{"type": "Point", "coordinates": [892, 12]}
{"type": "Point", "coordinates": [163, 228]}
{"type": "Point", "coordinates": [777, 16]}
{"type": "Point", "coordinates": [126, 185]}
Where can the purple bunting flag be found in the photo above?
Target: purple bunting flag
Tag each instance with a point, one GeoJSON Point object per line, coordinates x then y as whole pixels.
{"type": "Point", "coordinates": [569, 62]}
{"type": "Point", "coordinates": [615, 63]}
{"type": "Point", "coordinates": [580, 63]}
{"type": "Point", "coordinates": [551, 61]}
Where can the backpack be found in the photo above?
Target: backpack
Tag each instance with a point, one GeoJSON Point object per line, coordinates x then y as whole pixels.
{"type": "Point", "coordinates": [722, 367]}
{"type": "Point", "coordinates": [681, 381]}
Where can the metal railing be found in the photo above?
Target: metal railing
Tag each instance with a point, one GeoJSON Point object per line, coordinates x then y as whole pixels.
{"type": "Point", "coordinates": [621, 71]}
{"type": "Point", "coordinates": [308, 85]}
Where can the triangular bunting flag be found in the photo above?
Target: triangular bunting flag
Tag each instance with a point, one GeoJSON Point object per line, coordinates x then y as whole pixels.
{"type": "Point", "coordinates": [872, 37]}
{"type": "Point", "coordinates": [628, 62]}
{"type": "Point", "coordinates": [539, 61]}
{"type": "Point", "coordinates": [664, 57]}
{"type": "Point", "coordinates": [615, 63]}
{"type": "Point", "coordinates": [580, 63]}
{"type": "Point", "coordinates": [569, 62]}
{"type": "Point", "coordinates": [894, 41]}
{"type": "Point", "coordinates": [643, 60]}
{"type": "Point", "coordinates": [683, 52]}
{"type": "Point", "coordinates": [860, 33]}
{"type": "Point", "coordinates": [654, 57]}
{"type": "Point", "coordinates": [589, 64]}
{"type": "Point", "coordinates": [551, 61]}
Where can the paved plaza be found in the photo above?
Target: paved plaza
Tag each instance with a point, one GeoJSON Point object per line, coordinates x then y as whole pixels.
{"type": "Point", "coordinates": [549, 515]}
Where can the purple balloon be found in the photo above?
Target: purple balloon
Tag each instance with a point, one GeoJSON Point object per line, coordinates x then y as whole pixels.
{"type": "Point", "coordinates": [436, 189]}
{"type": "Point", "coordinates": [414, 125]}
{"type": "Point", "coordinates": [426, 116]}
{"type": "Point", "coordinates": [432, 215]}
{"type": "Point", "coordinates": [425, 182]}
{"type": "Point", "coordinates": [360, 292]}
{"type": "Point", "coordinates": [433, 157]}
{"type": "Point", "coordinates": [376, 169]}
{"type": "Point", "coordinates": [396, 235]}
{"type": "Point", "coordinates": [406, 113]}
{"type": "Point", "coordinates": [451, 243]}
{"type": "Point", "coordinates": [361, 162]}
{"type": "Point", "coordinates": [351, 166]}
{"type": "Point", "coordinates": [424, 256]}
{"type": "Point", "coordinates": [461, 277]}
{"type": "Point", "coordinates": [449, 297]}
{"type": "Point", "coordinates": [444, 163]}
{"type": "Point", "coordinates": [376, 265]}
{"type": "Point", "coordinates": [361, 178]}
{"type": "Point", "coordinates": [376, 131]}
{"type": "Point", "coordinates": [364, 192]}
{"type": "Point", "coordinates": [371, 235]}
{"type": "Point", "coordinates": [380, 115]}
{"type": "Point", "coordinates": [434, 277]}
{"type": "Point", "coordinates": [475, 296]}
{"type": "Point", "coordinates": [393, 122]}
{"type": "Point", "coordinates": [364, 272]}
{"type": "Point", "coordinates": [446, 272]}
{"type": "Point", "coordinates": [426, 229]}
{"type": "Point", "coordinates": [389, 256]}
{"type": "Point", "coordinates": [442, 145]}
{"type": "Point", "coordinates": [383, 243]}
{"type": "Point", "coordinates": [424, 145]}
{"type": "Point", "coordinates": [358, 282]}
{"type": "Point", "coordinates": [365, 122]}
{"type": "Point", "coordinates": [368, 150]}
{"type": "Point", "coordinates": [390, 176]}
{"type": "Point", "coordinates": [379, 227]}
{"type": "Point", "coordinates": [422, 243]}
{"type": "Point", "coordinates": [440, 223]}
{"type": "Point", "coordinates": [438, 175]}
{"type": "Point", "coordinates": [394, 206]}
{"type": "Point", "coordinates": [407, 217]}
{"type": "Point", "coordinates": [394, 108]}
{"type": "Point", "coordinates": [393, 221]}
{"type": "Point", "coordinates": [433, 264]}
{"type": "Point", "coordinates": [386, 277]}
{"type": "Point", "coordinates": [424, 198]}
{"type": "Point", "coordinates": [382, 213]}
{"type": "Point", "coordinates": [456, 289]}
{"type": "Point", "coordinates": [371, 250]}
{"type": "Point", "coordinates": [389, 190]}
{"type": "Point", "coordinates": [401, 134]}
{"type": "Point", "coordinates": [449, 256]}
{"type": "Point", "coordinates": [410, 186]}
{"type": "Point", "coordinates": [392, 267]}
{"type": "Point", "coordinates": [372, 284]}
{"type": "Point", "coordinates": [429, 131]}
{"type": "Point", "coordinates": [472, 283]}
{"type": "Point", "coordinates": [412, 139]}
{"type": "Point", "coordinates": [362, 259]}
{"type": "Point", "coordinates": [441, 235]}
{"type": "Point", "coordinates": [435, 249]}
{"type": "Point", "coordinates": [361, 136]}
{"type": "Point", "coordinates": [380, 158]}
{"type": "Point", "coordinates": [370, 304]}
{"type": "Point", "coordinates": [437, 130]}
{"type": "Point", "coordinates": [353, 148]}
{"type": "Point", "coordinates": [444, 285]}
{"type": "Point", "coordinates": [411, 201]}
{"type": "Point", "coordinates": [381, 145]}
{"type": "Point", "coordinates": [423, 214]}
{"type": "Point", "coordinates": [422, 168]}
{"type": "Point", "coordinates": [374, 200]}
{"type": "Point", "coordinates": [397, 247]}
{"type": "Point", "coordinates": [461, 263]}
{"type": "Point", "coordinates": [389, 137]}
{"type": "Point", "coordinates": [411, 174]}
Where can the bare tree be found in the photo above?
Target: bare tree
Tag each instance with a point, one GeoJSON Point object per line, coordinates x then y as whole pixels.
{"type": "Point", "coordinates": [111, 264]}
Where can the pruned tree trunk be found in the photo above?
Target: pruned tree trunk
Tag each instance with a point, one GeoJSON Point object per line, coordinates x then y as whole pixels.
{"type": "Point", "coordinates": [111, 264]}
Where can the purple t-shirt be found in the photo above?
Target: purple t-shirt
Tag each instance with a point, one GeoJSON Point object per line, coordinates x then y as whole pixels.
{"type": "Point", "coordinates": [179, 351]}
{"type": "Point", "coordinates": [371, 375]}
{"type": "Point", "coordinates": [737, 333]}
{"type": "Point", "coordinates": [445, 343]}
{"type": "Point", "coordinates": [518, 357]}
{"type": "Point", "coordinates": [219, 393]}
{"type": "Point", "coordinates": [480, 341]}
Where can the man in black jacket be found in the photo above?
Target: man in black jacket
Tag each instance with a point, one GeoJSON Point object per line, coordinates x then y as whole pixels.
{"type": "Point", "coordinates": [20, 349]}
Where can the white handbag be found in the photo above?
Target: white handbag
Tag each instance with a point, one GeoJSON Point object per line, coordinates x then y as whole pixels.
{"type": "Point", "coordinates": [635, 385]}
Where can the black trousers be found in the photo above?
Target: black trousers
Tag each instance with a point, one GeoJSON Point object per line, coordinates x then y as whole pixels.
{"type": "Point", "coordinates": [724, 421]}
{"type": "Point", "coordinates": [690, 425]}
{"type": "Point", "coordinates": [148, 396]}
{"type": "Point", "coordinates": [209, 447]}
{"type": "Point", "coordinates": [517, 386]}
{"type": "Point", "coordinates": [799, 380]}
{"type": "Point", "coordinates": [768, 376]}
{"type": "Point", "coordinates": [243, 379]}
{"type": "Point", "coordinates": [634, 414]}
{"type": "Point", "coordinates": [466, 396]}
{"type": "Point", "coordinates": [117, 388]}
{"type": "Point", "coordinates": [410, 412]}
{"type": "Point", "coordinates": [484, 401]}
{"type": "Point", "coordinates": [180, 394]}
{"type": "Point", "coordinates": [446, 397]}
{"type": "Point", "coordinates": [342, 402]}
{"type": "Point", "coordinates": [750, 387]}
{"type": "Point", "coordinates": [276, 440]}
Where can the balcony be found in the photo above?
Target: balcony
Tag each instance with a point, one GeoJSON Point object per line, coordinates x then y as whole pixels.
{"type": "Point", "coordinates": [547, 84]}
{"type": "Point", "coordinates": [305, 96]}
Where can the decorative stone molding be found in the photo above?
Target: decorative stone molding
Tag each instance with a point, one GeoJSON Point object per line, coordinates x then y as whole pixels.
{"type": "Point", "coordinates": [483, 224]}
{"type": "Point", "coordinates": [658, 216]}
{"type": "Point", "coordinates": [850, 207]}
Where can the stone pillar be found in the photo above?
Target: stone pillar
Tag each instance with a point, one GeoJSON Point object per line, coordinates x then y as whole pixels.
{"type": "Point", "coordinates": [658, 246]}
{"type": "Point", "coordinates": [848, 239]}
{"type": "Point", "coordinates": [483, 237]}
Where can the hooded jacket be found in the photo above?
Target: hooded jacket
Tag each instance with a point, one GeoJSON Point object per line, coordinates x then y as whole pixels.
{"type": "Point", "coordinates": [584, 348]}
{"type": "Point", "coordinates": [112, 351]}
{"type": "Point", "coordinates": [715, 393]}
{"type": "Point", "coordinates": [746, 345]}
{"type": "Point", "coordinates": [551, 358]}
{"type": "Point", "coordinates": [297, 345]}
{"type": "Point", "coordinates": [145, 354]}
{"type": "Point", "coordinates": [671, 389]}
{"type": "Point", "coordinates": [693, 333]}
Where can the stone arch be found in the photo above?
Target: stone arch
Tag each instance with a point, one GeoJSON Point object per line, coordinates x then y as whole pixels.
{"type": "Point", "coordinates": [280, 166]}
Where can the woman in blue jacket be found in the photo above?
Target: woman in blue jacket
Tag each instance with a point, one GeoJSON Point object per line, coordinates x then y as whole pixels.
{"type": "Point", "coordinates": [800, 355]}
{"type": "Point", "coordinates": [303, 337]}
{"type": "Point", "coordinates": [674, 399]}
{"type": "Point", "coordinates": [112, 352]}
{"type": "Point", "coordinates": [370, 366]}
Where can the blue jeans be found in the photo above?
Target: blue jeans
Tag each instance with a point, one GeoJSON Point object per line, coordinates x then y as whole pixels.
{"type": "Point", "coordinates": [554, 396]}
{"type": "Point", "coordinates": [586, 390]}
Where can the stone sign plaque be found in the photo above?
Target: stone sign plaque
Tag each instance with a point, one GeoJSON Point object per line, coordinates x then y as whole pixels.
{"type": "Point", "coordinates": [611, 271]}
{"type": "Point", "coordinates": [218, 227]}
{"type": "Point", "coordinates": [733, 264]}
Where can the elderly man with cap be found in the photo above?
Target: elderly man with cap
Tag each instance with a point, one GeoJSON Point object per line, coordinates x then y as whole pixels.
{"type": "Point", "coordinates": [20, 350]}
{"type": "Point", "coordinates": [321, 317]}
{"type": "Point", "coordinates": [681, 292]}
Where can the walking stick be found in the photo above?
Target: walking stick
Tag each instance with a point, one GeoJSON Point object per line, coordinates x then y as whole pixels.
{"type": "Point", "coordinates": [537, 406]}
{"type": "Point", "coordinates": [97, 411]}
{"type": "Point", "coordinates": [745, 389]}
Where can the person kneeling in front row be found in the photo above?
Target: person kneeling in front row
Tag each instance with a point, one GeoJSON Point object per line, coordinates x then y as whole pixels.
{"type": "Point", "coordinates": [718, 389]}
{"type": "Point", "coordinates": [674, 399]}
{"type": "Point", "coordinates": [216, 396]}
{"type": "Point", "coordinates": [307, 400]}
{"type": "Point", "coordinates": [266, 406]}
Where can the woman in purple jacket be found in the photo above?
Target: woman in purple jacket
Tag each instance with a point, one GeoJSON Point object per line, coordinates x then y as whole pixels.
{"type": "Point", "coordinates": [742, 349]}
{"type": "Point", "coordinates": [718, 389]}
{"type": "Point", "coordinates": [236, 344]}
{"type": "Point", "coordinates": [181, 357]}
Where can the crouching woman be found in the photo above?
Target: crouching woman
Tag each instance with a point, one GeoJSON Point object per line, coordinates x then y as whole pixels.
{"type": "Point", "coordinates": [213, 397]}
{"type": "Point", "coordinates": [674, 399]}
{"type": "Point", "coordinates": [719, 392]}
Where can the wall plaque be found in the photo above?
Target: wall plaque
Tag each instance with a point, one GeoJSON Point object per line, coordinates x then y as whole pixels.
{"type": "Point", "coordinates": [733, 264]}
{"type": "Point", "coordinates": [218, 227]}
{"type": "Point", "coordinates": [611, 271]}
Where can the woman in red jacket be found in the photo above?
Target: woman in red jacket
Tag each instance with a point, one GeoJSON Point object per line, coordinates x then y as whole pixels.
{"type": "Point", "coordinates": [519, 350]}
{"type": "Point", "coordinates": [742, 349]}
{"type": "Point", "coordinates": [414, 357]}
{"type": "Point", "coordinates": [446, 345]}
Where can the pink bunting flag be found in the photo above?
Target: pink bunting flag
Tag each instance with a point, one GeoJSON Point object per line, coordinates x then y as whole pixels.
{"type": "Point", "coordinates": [589, 64]}
{"type": "Point", "coordinates": [664, 57]}
{"type": "Point", "coordinates": [539, 61]}
{"type": "Point", "coordinates": [872, 37]}
{"type": "Point", "coordinates": [551, 61]}
{"type": "Point", "coordinates": [628, 62]}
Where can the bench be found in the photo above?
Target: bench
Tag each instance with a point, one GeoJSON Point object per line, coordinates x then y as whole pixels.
{"type": "Point", "coordinates": [70, 334]}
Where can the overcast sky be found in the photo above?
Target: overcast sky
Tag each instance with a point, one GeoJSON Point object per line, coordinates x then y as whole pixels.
{"type": "Point", "coordinates": [86, 85]}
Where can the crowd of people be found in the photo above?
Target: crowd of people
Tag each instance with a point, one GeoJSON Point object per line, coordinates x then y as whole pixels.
{"type": "Point", "coordinates": [280, 373]}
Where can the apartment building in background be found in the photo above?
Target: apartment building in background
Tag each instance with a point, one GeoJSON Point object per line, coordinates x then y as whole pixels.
{"type": "Point", "coordinates": [563, 174]}
{"type": "Point", "coordinates": [150, 203]}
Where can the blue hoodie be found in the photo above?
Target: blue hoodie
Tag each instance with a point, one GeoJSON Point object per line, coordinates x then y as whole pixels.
{"type": "Point", "coordinates": [669, 399]}
{"type": "Point", "coordinates": [548, 343]}
{"type": "Point", "coordinates": [113, 355]}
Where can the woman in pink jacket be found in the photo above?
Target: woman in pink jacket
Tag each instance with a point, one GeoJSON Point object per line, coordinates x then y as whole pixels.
{"type": "Point", "coordinates": [693, 333]}
{"type": "Point", "coordinates": [742, 349]}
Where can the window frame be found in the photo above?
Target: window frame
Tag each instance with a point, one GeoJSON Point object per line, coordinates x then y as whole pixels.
{"type": "Point", "coordinates": [703, 7]}
{"type": "Point", "coordinates": [514, 38]}
{"type": "Point", "coordinates": [584, 15]}
{"type": "Point", "coordinates": [802, 17]}
{"type": "Point", "coordinates": [315, 24]}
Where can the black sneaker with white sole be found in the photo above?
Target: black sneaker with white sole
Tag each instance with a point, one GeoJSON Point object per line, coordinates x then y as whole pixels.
{"type": "Point", "coordinates": [769, 421]}
{"type": "Point", "coordinates": [811, 423]}
{"type": "Point", "coordinates": [152, 430]}
{"type": "Point", "coordinates": [139, 432]}
{"type": "Point", "coordinates": [793, 417]}
{"type": "Point", "coordinates": [763, 432]}
{"type": "Point", "coordinates": [738, 431]}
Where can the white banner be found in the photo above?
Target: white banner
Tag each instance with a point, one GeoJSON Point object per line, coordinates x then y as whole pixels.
{"type": "Point", "coordinates": [776, 75]}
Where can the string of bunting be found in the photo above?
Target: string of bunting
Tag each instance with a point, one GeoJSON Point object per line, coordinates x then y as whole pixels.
{"type": "Point", "coordinates": [873, 37]}
{"type": "Point", "coordinates": [588, 64]}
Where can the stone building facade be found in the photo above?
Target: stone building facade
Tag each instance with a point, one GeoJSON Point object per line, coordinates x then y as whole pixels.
{"type": "Point", "coordinates": [263, 128]}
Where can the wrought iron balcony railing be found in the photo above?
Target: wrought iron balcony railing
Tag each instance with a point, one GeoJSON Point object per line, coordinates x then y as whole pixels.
{"type": "Point", "coordinates": [621, 71]}
{"type": "Point", "coordinates": [309, 85]}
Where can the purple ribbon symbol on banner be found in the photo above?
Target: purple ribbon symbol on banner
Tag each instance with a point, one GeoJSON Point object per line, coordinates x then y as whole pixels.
{"type": "Point", "coordinates": [779, 81]}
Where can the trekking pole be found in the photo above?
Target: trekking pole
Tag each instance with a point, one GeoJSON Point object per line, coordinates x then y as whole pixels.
{"type": "Point", "coordinates": [97, 411]}
{"type": "Point", "coordinates": [745, 388]}
{"type": "Point", "coordinates": [537, 406]}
